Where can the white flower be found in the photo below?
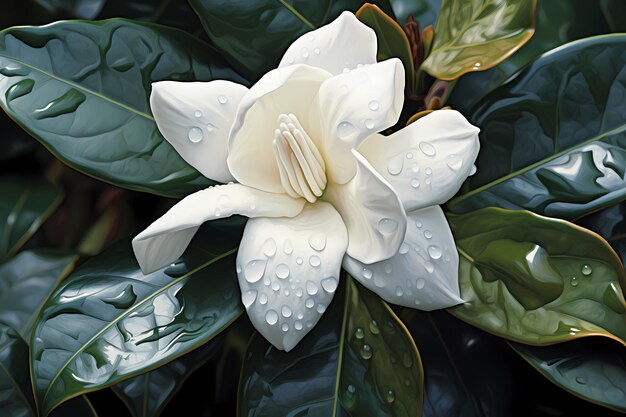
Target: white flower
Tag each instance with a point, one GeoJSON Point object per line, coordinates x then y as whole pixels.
{"type": "Point", "coordinates": [321, 188]}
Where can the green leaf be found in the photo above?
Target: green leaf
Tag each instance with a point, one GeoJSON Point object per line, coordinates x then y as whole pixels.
{"type": "Point", "coordinates": [553, 139]}
{"type": "Point", "coordinates": [591, 368]}
{"type": "Point", "coordinates": [82, 9]}
{"type": "Point", "coordinates": [146, 395]}
{"type": "Point", "coordinates": [610, 223]}
{"type": "Point", "coordinates": [475, 35]}
{"type": "Point", "coordinates": [359, 360]}
{"type": "Point", "coordinates": [537, 280]}
{"type": "Point", "coordinates": [25, 204]}
{"type": "Point", "coordinates": [26, 281]}
{"type": "Point", "coordinates": [109, 322]}
{"type": "Point", "coordinates": [82, 89]}
{"type": "Point", "coordinates": [423, 11]}
{"type": "Point", "coordinates": [392, 41]}
{"type": "Point", "coordinates": [253, 35]}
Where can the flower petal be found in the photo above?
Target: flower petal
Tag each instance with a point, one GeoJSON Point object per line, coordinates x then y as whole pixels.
{"type": "Point", "coordinates": [427, 161]}
{"type": "Point", "coordinates": [196, 118]}
{"type": "Point", "coordinates": [343, 43]}
{"type": "Point", "coordinates": [167, 238]}
{"type": "Point", "coordinates": [281, 91]}
{"type": "Point", "coordinates": [353, 106]}
{"type": "Point", "coordinates": [424, 272]}
{"type": "Point", "coordinates": [372, 213]}
{"type": "Point", "coordinates": [289, 270]}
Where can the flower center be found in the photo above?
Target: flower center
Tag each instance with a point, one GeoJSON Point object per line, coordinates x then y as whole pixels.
{"type": "Point", "coordinates": [300, 164]}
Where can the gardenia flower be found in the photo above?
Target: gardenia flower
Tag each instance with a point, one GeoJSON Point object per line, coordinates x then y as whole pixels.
{"type": "Point", "coordinates": [322, 189]}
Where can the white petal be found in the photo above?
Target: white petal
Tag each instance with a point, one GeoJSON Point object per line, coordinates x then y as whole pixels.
{"type": "Point", "coordinates": [289, 270]}
{"type": "Point", "coordinates": [196, 119]}
{"type": "Point", "coordinates": [167, 238]}
{"type": "Point", "coordinates": [427, 161]}
{"type": "Point", "coordinates": [424, 272]}
{"type": "Point", "coordinates": [353, 106]}
{"type": "Point", "coordinates": [343, 43]}
{"type": "Point", "coordinates": [281, 91]}
{"type": "Point", "coordinates": [372, 213]}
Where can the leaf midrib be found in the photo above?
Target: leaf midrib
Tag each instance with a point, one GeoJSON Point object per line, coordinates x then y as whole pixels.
{"type": "Point", "coordinates": [129, 311]}
{"type": "Point", "coordinates": [81, 88]}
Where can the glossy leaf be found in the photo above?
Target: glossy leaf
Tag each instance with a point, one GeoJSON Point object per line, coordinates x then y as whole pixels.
{"type": "Point", "coordinates": [358, 360]}
{"type": "Point", "coordinates": [253, 35]}
{"type": "Point", "coordinates": [537, 280]}
{"type": "Point", "coordinates": [26, 280]}
{"type": "Point", "coordinates": [475, 35]}
{"type": "Point", "coordinates": [82, 89]}
{"type": "Point", "coordinates": [423, 11]}
{"type": "Point", "coordinates": [591, 368]}
{"type": "Point", "coordinates": [146, 395]}
{"type": "Point", "coordinates": [83, 9]}
{"type": "Point", "coordinates": [610, 223]}
{"type": "Point", "coordinates": [25, 204]}
{"type": "Point", "coordinates": [553, 139]}
{"type": "Point", "coordinates": [392, 41]}
{"type": "Point", "coordinates": [108, 322]}
{"type": "Point", "coordinates": [454, 384]}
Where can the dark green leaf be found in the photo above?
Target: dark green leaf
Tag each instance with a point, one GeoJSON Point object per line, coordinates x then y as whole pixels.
{"type": "Point", "coordinates": [611, 225]}
{"type": "Point", "coordinates": [109, 322]}
{"type": "Point", "coordinates": [82, 89]}
{"type": "Point", "coordinates": [537, 280]}
{"type": "Point", "coordinates": [76, 407]}
{"type": "Point", "coordinates": [392, 41]}
{"type": "Point", "coordinates": [253, 35]}
{"type": "Point", "coordinates": [26, 281]}
{"type": "Point", "coordinates": [553, 139]}
{"type": "Point", "coordinates": [475, 35]}
{"type": "Point", "coordinates": [25, 204]}
{"type": "Point", "coordinates": [591, 368]}
{"type": "Point", "coordinates": [146, 395]}
{"type": "Point", "coordinates": [423, 11]}
{"type": "Point", "coordinates": [359, 360]}
{"type": "Point", "coordinates": [82, 9]}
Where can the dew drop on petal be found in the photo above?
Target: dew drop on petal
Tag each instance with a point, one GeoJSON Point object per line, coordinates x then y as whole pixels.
{"type": "Point", "coordinates": [248, 297]}
{"type": "Point", "coordinates": [415, 183]}
{"type": "Point", "coordinates": [282, 271]}
{"type": "Point", "coordinates": [345, 129]}
{"type": "Point", "coordinates": [330, 284]}
{"type": "Point", "coordinates": [430, 267]}
{"type": "Point", "coordinates": [369, 123]}
{"type": "Point", "coordinates": [321, 308]}
{"type": "Point", "coordinates": [373, 105]}
{"type": "Point", "coordinates": [317, 241]}
{"type": "Point", "coordinates": [317, 51]}
{"type": "Point", "coordinates": [271, 317]}
{"type": "Point", "coordinates": [284, 327]}
{"type": "Point", "coordinates": [428, 234]}
{"type": "Point", "coordinates": [315, 261]}
{"type": "Point", "coordinates": [198, 113]}
{"type": "Point", "coordinates": [269, 247]}
{"type": "Point", "coordinates": [390, 396]}
{"type": "Point", "coordinates": [254, 270]}
{"type": "Point", "coordinates": [311, 288]}
{"type": "Point", "coordinates": [304, 52]}
{"type": "Point", "coordinates": [473, 170]}
{"type": "Point", "coordinates": [286, 311]}
{"type": "Point", "coordinates": [586, 270]}
{"type": "Point", "coordinates": [574, 282]}
{"type": "Point", "coordinates": [222, 99]}
{"type": "Point", "coordinates": [310, 38]}
{"type": "Point", "coordinates": [288, 247]}
{"type": "Point", "coordinates": [297, 325]}
{"type": "Point", "coordinates": [419, 284]}
{"type": "Point", "coordinates": [309, 303]}
{"type": "Point", "coordinates": [263, 299]}
{"type": "Point", "coordinates": [195, 134]}
{"type": "Point", "coordinates": [429, 171]}
{"type": "Point", "coordinates": [359, 333]}
{"type": "Point", "coordinates": [395, 165]}
{"type": "Point", "coordinates": [387, 226]}
{"type": "Point", "coordinates": [404, 249]}
{"type": "Point", "coordinates": [434, 251]}
{"type": "Point", "coordinates": [454, 162]}
{"type": "Point", "coordinates": [299, 260]}
{"type": "Point", "coordinates": [366, 351]}
{"type": "Point", "coordinates": [427, 148]}
{"type": "Point", "coordinates": [367, 273]}
{"type": "Point", "coordinates": [210, 127]}
{"type": "Point", "coordinates": [399, 291]}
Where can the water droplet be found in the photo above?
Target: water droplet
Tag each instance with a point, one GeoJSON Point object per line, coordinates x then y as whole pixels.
{"type": "Point", "coordinates": [574, 282]}
{"type": "Point", "coordinates": [404, 249]}
{"type": "Point", "coordinates": [330, 284]}
{"type": "Point", "coordinates": [434, 251]}
{"type": "Point", "coordinates": [454, 162]}
{"type": "Point", "coordinates": [238, 269]}
{"type": "Point", "coordinates": [311, 288]}
{"type": "Point", "coordinates": [419, 284]}
{"type": "Point", "coordinates": [309, 303]}
{"type": "Point", "coordinates": [299, 260]}
{"type": "Point", "coordinates": [198, 113]}
{"type": "Point", "coordinates": [310, 38]}
{"type": "Point", "coordinates": [399, 291]}
{"type": "Point", "coordinates": [248, 297]}
{"type": "Point", "coordinates": [366, 351]}
{"type": "Point", "coordinates": [373, 105]}
{"type": "Point", "coordinates": [387, 226]}
{"type": "Point", "coordinates": [407, 382]}
{"type": "Point", "coordinates": [254, 270]}
{"type": "Point", "coordinates": [179, 269]}
{"type": "Point", "coordinates": [210, 127]}
{"type": "Point", "coordinates": [367, 273]}
{"type": "Point", "coordinates": [388, 268]}
{"type": "Point", "coordinates": [418, 224]}
{"type": "Point", "coordinates": [275, 286]}
{"type": "Point", "coordinates": [473, 170]}
{"type": "Point", "coordinates": [299, 292]}
{"type": "Point", "coordinates": [298, 325]}
{"type": "Point", "coordinates": [428, 234]}
{"type": "Point", "coordinates": [345, 129]}
{"type": "Point", "coordinates": [409, 155]}
{"type": "Point", "coordinates": [286, 311]}
{"type": "Point", "coordinates": [359, 333]}
{"type": "Point", "coordinates": [305, 53]}
{"type": "Point", "coordinates": [395, 165]}
{"type": "Point", "coordinates": [586, 270]}
{"type": "Point", "coordinates": [282, 271]}
{"type": "Point", "coordinates": [263, 299]}
{"type": "Point", "coordinates": [318, 241]}
{"type": "Point", "coordinates": [288, 247]}
{"type": "Point", "coordinates": [269, 247]}
{"type": "Point", "coordinates": [195, 134]}
{"type": "Point", "coordinates": [580, 380]}
{"type": "Point", "coordinates": [290, 59]}
{"type": "Point", "coordinates": [430, 267]}
{"type": "Point", "coordinates": [285, 327]}
{"type": "Point", "coordinates": [415, 183]}
{"type": "Point", "coordinates": [315, 261]}
{"type": "Point", "coordinates": [415, 168]}
{"type": "Point", "coordinates": [271, 317]}
{"type": "Point", "coordinates": [374, 327]}
{"type": "Point", "coordinates": [317, 51]}
{"type": "Point", "coordinates": [222, 99]}
{"type": "Point", "coordinates": [321, 308]}
{"type": "Point", "coordinates": [427, 148]}
{"type": "Point", "coordinates": [390, 396]}
{"type": "Point", "coordinates": [369, 123]}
